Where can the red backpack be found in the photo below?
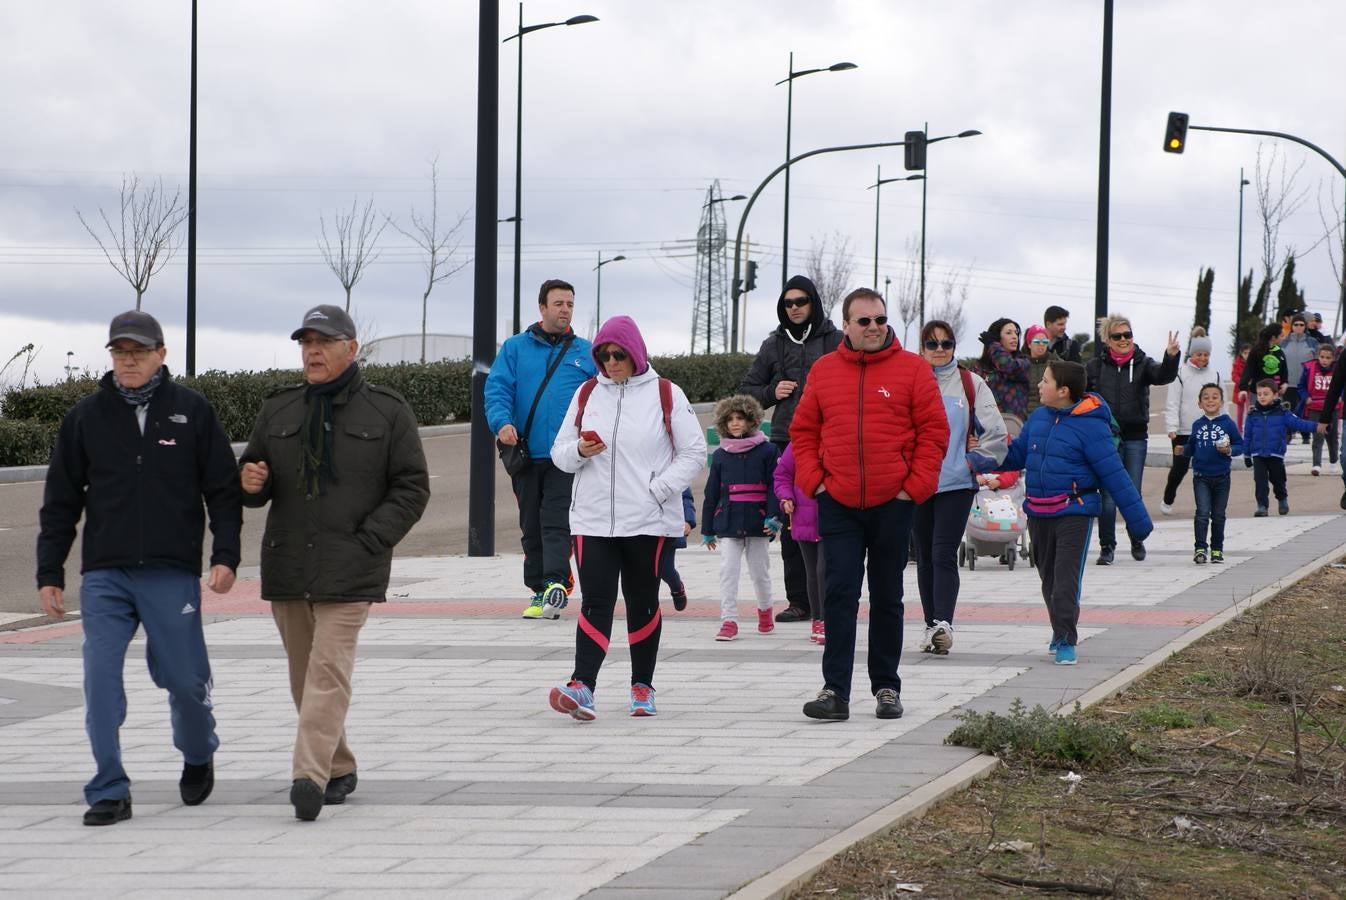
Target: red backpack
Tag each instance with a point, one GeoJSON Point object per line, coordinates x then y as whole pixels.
{"type": "Point", "coordinates": [665, 401]}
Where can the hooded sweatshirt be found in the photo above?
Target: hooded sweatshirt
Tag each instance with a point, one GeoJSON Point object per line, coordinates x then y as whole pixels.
{"type": "Point", "coordinates": [1182, 407]}
{"type": "Point", "coordinates": [633, 487]}
{"type": "Point", "coordinates": [955, 473]}
{"type": "Point", "coordinates": [787, 354]}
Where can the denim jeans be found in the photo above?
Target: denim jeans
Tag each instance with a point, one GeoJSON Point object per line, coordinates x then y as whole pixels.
{"type": "Point", "coordinates": [1212, 496]}
{"type": "Point", "coordinates": [1133, 460]}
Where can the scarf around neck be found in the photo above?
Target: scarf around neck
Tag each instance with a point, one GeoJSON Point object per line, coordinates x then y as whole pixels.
{"type": "Point", "coordinates": [742, 444]}
{"type": "Point", "coordinates": [946, 368]}
{"type": "Point", "coordinates": [1120, 360]}
{"type": "Point", "coordinates": [140, 396]}
{"type": "Point", "coordinates": [316, 464]}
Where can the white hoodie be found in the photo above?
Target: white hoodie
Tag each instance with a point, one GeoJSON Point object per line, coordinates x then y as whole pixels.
{"type": "Point", "coordinates": [634, 486]}
{"type": "Point", "coordinates": [1182, 407]}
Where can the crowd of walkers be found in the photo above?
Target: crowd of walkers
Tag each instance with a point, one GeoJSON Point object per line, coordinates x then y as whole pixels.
{"type": "Point", "coordinates": [871, 452]}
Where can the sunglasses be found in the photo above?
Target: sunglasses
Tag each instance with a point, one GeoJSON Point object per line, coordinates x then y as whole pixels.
{"type": "Point", "coordinates": [864, 321]}
{"type": "Point", "coordinates": [1043, 341]}
{"type": "Point", "coordinates": [1299, 325]}
{"type": "Point", "coordinates": [604, 355]}
{"type": "Point", "coordinates": [1121, 336]}
{"type": "Point", "coordinates": [794, 303]}
{"type": "Point", "coordinates": [933, 344]}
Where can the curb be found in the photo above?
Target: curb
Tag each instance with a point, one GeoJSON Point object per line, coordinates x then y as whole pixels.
{"type": "Point", "coordinates": [778, 884]}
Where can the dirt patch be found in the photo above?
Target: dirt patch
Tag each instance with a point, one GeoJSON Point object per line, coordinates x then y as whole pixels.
{"type": "Point", "coordinates": [1236, 786]}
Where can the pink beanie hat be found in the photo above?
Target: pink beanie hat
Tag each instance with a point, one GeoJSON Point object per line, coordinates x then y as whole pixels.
{"type": "Point", "coordinates": [1032, 332]}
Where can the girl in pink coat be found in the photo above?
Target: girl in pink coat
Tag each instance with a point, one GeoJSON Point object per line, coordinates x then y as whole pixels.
{"type": "Point", "coordinates": [803, 512]}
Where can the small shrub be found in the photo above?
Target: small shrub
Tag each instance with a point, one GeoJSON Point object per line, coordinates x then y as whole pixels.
{"type": "Point", "coordinates": [1040, 738]}
{"type": "Point", "coordinates": [1163, 717]}
{"type": "Point", "coordinates": [25, 442]}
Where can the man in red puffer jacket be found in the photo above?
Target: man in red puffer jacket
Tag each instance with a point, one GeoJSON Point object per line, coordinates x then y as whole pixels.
{"type": "Point", "coordinates": [869, 437]}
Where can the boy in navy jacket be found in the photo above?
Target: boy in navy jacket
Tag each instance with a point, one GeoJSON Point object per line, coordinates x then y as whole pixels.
{"type": "Point", "coordinates": [1213, 441]}
{"type": "Point", "coordinates": [1067, 453]}
{"type": "Point", "coordinates": [1266, 428]}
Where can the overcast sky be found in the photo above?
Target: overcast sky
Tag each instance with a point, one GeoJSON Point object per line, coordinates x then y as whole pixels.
{"type": "Point", "coordinates": [304, 105]}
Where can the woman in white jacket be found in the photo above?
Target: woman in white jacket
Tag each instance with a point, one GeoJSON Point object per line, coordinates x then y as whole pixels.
{"type": "Point", "coordinates": [1182, 409]}
{"type": "Point", "coordinates": [633, 444]}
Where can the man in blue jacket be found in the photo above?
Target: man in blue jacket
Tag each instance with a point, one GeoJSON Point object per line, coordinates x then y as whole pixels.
{"type": "Point", "coordinates": [144, 460]}
{"type": "Point", "coordinates": [517, 387]}
{"type": "Point", "coordinates": [1067, 454]}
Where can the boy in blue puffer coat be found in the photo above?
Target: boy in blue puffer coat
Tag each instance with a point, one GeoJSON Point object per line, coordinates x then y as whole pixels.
{"type": "Point", "coordinates": [1067, 453]}
{"type": "Point", "coordinates": [740, 508]}
{"type": "Point", "coordinates": [1264, 440]}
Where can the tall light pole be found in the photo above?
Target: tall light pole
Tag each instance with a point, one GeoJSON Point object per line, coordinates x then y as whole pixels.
{"type": "Point", "coordinates": [877, 187]}
{"type": "Point", "coordinates": [789, 82]}
{"type": "Point", "coordinates": [1104, 171]}
{"type": "Point", "coordinates": [598, 293]}
{"type": "Point", "coordinates": [517, 218]}
{"type": "Point", "coordinates": [971, 132]}
{"type": "Point", "coordinates": [191, 212]}
{"type": "Point", "coordinates": [710, 261]}
{"type": "Point", "coordinates": [1238, 282]}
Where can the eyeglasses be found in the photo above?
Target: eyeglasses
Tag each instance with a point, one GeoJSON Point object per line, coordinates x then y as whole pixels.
{"type": "Point", "coordinates": [1121, 336]}
{"type": "Point", "coordinates": [1043, 341]}
{"type": "Point", "coordinates": [616, 355]}
{"type": "Point", "coordinates": [803, 301]}
{"type": "Point", "coordinates": [139, 354]}
{"type": "Point", "coordinates": [933, 344]}
{"type": "Point", "coordinates": [323, 342]}
{"type": "Point", "coordinates": [864, 321]}
{"type": "Point", "coordinates": [1298, 325]}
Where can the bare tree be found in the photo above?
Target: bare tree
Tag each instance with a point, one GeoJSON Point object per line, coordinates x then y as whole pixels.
{"type": "Point", "coordinates": [357, 235]}
{"type": "Point", "coordinates": [1335, 238]}
{"type": "Point", "coordinates": [146, 238]}
{"type": "Point", "coordinates": [830, 272]}
{"type": "Point", "coordinates": [24, 358]}
{"type": "Point", "coordinates": [904, 292]}
{"type": "Point", "coordinates": [952, 304]}
{"type": "Point", "coordinates": [440, 249]}
{"type": "Point", "coordinates": [1277, 200]}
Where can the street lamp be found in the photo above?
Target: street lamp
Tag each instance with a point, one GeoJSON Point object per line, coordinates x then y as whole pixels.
{"type": "Point", "coordinates": [598, 294]}
{"type": "Point", "coordinates": [971, 132]}
{"type": "Point", "coordinates": [877, 187]}
{"type": "Point", "coordinates": [789, 81]}
{"type": "Point", "coordinates": [1238, 282]}
{"type": "Point", "coordinates": [517, 218]}
{"type": "Point", "coordinates": [69, 365]}
{"type": "Point", "coordinates": [710, 259]}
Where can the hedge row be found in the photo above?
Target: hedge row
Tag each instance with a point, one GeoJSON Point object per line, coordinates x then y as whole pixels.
{"type": "Point", "coordinates": [438, 393]}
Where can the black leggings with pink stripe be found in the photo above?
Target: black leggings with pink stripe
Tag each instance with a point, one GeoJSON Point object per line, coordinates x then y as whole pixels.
{"type": "Point", "coordinates": [601, 561]}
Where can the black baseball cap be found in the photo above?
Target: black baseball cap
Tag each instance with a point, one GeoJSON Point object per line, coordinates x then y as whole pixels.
{"type": "Point", "coordinates": [326, 319]}
{"type": "Point", "coordinates": [134, 325]}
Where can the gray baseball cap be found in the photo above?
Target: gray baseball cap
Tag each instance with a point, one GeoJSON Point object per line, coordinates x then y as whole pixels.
{"type": "Point", "coordinates": [134, 325]}
{"type": "Point", "coordinates": [326, 319]}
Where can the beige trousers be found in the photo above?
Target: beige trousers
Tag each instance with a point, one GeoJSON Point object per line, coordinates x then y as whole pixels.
{"type": "Point", "coordinates": [320, 640]}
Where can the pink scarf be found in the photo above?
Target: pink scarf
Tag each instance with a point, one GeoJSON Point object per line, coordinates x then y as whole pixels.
{"type": "Point", "coordinates": [1121, 360]}
{"type": "Point", "coordinates": [742, 444]}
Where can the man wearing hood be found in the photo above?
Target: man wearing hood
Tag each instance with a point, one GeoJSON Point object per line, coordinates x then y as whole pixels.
{"type": "Point", "coordinates": [776, 380]}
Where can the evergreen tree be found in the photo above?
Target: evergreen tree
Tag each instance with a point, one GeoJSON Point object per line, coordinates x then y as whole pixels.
{"type": "Point", "coordinates": [1244, 329]}
{"type": "Point", "coordinates": [1205, 284]}
{"type": "Point", "coordinates": [1290, 298]}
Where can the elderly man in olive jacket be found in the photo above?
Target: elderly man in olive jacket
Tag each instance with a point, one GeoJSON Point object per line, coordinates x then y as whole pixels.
{"type": "Point", "coordinates": [340, 462]}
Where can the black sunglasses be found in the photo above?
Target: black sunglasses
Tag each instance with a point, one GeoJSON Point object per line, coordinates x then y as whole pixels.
{"type": "Point", "coordinates": [864, 321]}
{"type": "Point", "coordinates": [933, 344]}
{"type": "Point", "coordinates": [801, 302]}
{"type": "Point", "coordinates": [605, 355]}
{"type": "Point", "coordinates": [1121, 336]}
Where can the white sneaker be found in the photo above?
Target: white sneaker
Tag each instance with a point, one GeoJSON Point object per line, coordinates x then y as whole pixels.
{"type": "Point", "coordinates": [927, 640]}
{"type": "Point", "coordinates": [941, 638]}
{"type": "Point", "coordinates": [1166, 508]}
{"type": "Point", "coordinates": [1316, 470]}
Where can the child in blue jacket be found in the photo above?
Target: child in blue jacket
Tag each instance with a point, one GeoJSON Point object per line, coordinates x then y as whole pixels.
{"type": "Point", "coordinates": [740, 508]}
{"type": "Point", "coordinates": [668, 572]}
{"type": "Point", "coordinates": [1067, 453]}
{"type": "Point", "coordinates": [1265, 430]}
{"type": "Point", "coordinates": [1212, 443]}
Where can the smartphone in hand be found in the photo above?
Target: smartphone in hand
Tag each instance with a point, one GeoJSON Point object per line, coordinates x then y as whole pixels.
{"type": "Point", "coordinates": [591, 436]}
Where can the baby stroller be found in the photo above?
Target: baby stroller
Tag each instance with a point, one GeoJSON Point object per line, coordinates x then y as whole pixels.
{"type": "Point", "coordinates": [997, 524]}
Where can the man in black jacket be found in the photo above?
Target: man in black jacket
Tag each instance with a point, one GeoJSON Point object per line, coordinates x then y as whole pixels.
{"type": "Point", "coordinates": [777, 379]}
{"type": "Point", "coordinates": [137, 459]}
{"type": "Point", "coordinates": [340, 462]}
{"type": "Point", "coordinates": [1056, 319]}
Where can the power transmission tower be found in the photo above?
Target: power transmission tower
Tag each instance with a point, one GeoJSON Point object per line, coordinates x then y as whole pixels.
{"type": "Point", "coordinates": [710, 305]}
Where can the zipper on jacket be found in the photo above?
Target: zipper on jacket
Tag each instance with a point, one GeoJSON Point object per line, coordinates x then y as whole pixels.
{"type": "Point", "coordinates": [612, 481]}
{"type": "Point", "coordinates": [860, 431]}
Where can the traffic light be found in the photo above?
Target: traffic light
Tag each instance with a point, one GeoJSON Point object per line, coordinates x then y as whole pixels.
{"type": "Point", "coordinates": [751, 281]}
{"type": "Point", "coordinates": [914, 151]}
{"type": "Point", "coordinates": [1175, 135]}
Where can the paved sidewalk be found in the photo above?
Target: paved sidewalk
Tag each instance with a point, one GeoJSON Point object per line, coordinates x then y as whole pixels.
{"type": "Point", "coordinates": [471, 786]}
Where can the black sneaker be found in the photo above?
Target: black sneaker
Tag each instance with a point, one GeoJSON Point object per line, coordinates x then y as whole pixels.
{"type": "Point", "coordinates": [306, 797]}
{"type": "Point", "coordinates": [108, 812]}
{"type": "Point", "coordinates": [196, 782]}
{"type": "Point", "coordinates": [1217, 556]}
{"type": "Point", "coordinates": [680, 599]}
{"type": "Point", "coordinates": [793, 614]}
{"type": "Point", "coordinates": [828, 706]}
{"type": "Point", "coordinates": [889, 704]}
{"type": "Point", "coordinates": [1342, 503]}
{"type": "Point", "coordinates": [1199, 557]}
{"type": "Point", "coordinates": [1138, 550]}
{"type": "Point", "coordinates": [1261, 512]}
{"type": "Point", "coordinates": [339, 788]}
{"type": "Point", "coordinates": [1283, 507]}
{"type": "Point", "coordinates": [1105, 556]}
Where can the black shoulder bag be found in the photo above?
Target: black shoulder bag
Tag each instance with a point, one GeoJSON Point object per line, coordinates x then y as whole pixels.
{"type": "Point", "coordinates": [515, 457]}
